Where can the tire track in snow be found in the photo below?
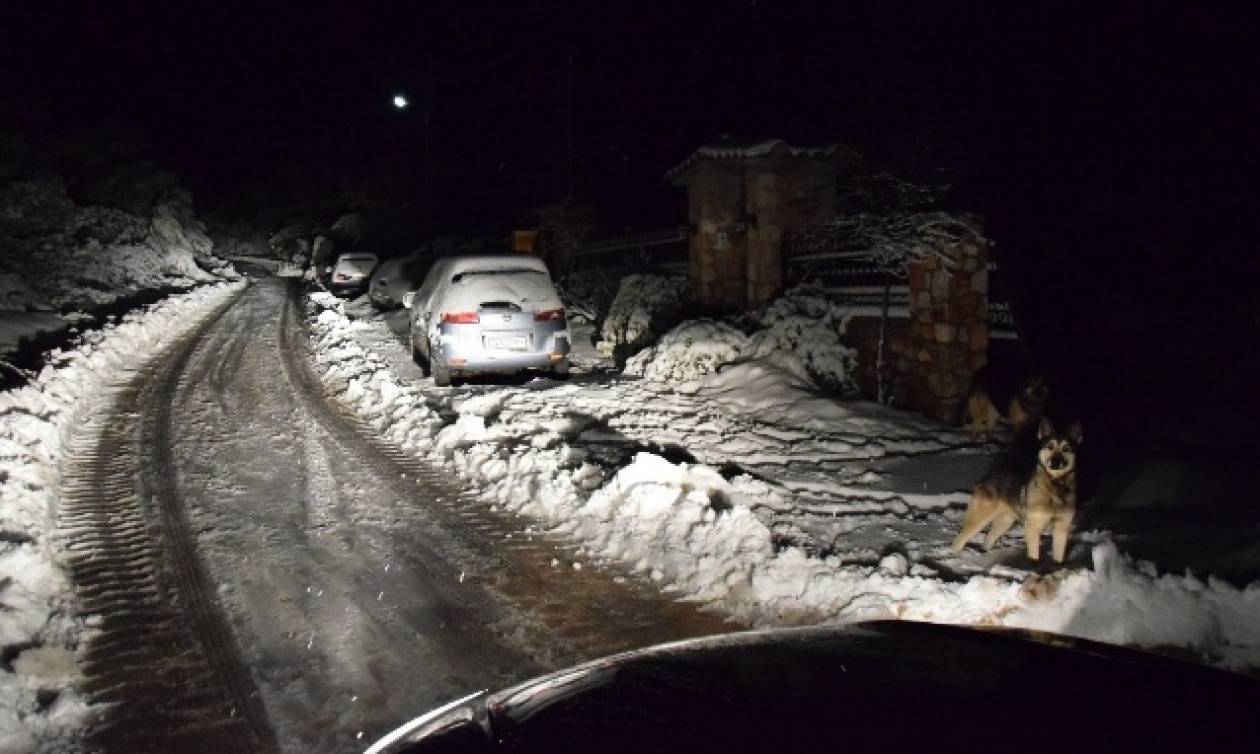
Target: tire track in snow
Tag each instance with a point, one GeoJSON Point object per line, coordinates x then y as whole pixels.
{"type": "Point", "coordinates": [162, 660]}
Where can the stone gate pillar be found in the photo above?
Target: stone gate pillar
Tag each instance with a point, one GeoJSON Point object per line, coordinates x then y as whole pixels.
{"type": "Point", "coordinates": [949, 333]}
{"type": "Point", "coordinates": [719, 250]}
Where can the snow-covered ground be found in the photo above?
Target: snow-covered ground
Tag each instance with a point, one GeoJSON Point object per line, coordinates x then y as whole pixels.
{"type": "Point", "coordinates": [40, 628]}
{"type": "Point", "coordinates": [743, 485]}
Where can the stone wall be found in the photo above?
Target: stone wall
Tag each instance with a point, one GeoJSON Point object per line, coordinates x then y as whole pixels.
{"type": "Point", "coordinates": [948, 335]}
{"type": "Point", "coordinates": [740, 211]}
{"type": "Point", "coordinates": [719, 248]}
{"type": "Point", "coordinates": [782, 194]}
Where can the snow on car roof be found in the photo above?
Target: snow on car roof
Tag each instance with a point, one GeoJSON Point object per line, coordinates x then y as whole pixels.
{"type": "Point", "coordinates": [480, 262]}
{"type": "Point", "coordinates": [356, 255]}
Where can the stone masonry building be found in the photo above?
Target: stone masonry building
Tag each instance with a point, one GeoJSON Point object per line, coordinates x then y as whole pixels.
{"type": "Point", "coordinates": [743, 199]}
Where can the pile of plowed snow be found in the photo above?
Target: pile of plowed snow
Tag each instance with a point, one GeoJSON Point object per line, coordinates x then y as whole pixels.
{"type": "Point", "coordinates": [40, 627]}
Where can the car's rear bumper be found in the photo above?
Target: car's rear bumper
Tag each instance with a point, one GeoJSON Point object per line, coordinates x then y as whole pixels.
{"type": "Point", "coordinates": [503, 363]}
{"type": "Point", "coordinates": [464, 352]}
{"type": "Point", "coordinates": [348, 286]}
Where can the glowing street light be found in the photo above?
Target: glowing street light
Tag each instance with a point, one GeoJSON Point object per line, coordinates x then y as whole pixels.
{"type": "Point", "coordinates": [400, 102]}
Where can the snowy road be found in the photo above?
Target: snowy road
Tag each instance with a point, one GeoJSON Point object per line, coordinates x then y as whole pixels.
{"type": "Point", "coordinates": [274, 580]}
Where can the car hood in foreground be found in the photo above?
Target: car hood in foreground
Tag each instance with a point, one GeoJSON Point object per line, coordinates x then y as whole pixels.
{"type": "Point", "coordinates": [887, 686]}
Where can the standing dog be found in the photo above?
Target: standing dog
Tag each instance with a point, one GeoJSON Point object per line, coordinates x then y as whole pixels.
{"type": "Point", "coordinates": [1023, 408]}
{"type": "Point", "coordinates": [1034, 481]}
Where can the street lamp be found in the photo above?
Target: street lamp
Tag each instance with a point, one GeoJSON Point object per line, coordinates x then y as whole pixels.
{"type": "Point", "coordinates": [401, 103]}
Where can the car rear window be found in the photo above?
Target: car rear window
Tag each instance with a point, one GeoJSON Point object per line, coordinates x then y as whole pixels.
{"type": "Point", "coordinates": [356, 264]}
{"type": "Point", "coordinates": [472, 274]}
{"type": "Point", "coordinates": [473, 288]}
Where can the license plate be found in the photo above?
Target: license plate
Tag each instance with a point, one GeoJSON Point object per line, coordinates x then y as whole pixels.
{"type": "Point", "coordinates": [508, 342]}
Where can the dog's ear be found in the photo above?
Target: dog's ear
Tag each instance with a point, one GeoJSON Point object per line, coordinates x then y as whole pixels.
{"type": "Point", "coordinates": [1044, 428]}
{"type": "Point", "coordinates": [1075, 433]}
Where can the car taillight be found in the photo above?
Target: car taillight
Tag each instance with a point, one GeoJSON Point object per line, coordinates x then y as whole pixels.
{"type": "Point", "coordinates": [549, 315]}
{"type": "Point", "coordinates": [342, 276]}
{"type": "Point", "coordinates": [460, 318]}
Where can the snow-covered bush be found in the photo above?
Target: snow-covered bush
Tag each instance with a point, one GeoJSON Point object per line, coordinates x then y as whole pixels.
{"type": "Point", "coordinates": [894, 220]}
{"type": "Point", "coordinates": [693, 349]}
{"type": "Point", "coordinates": [803, 322]}
{"type": "Point", "coordinates": [645, 306]}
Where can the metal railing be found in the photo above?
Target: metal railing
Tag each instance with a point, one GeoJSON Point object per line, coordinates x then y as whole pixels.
{"type": "Point", "coordinates": [851, 275]}
{"type": "Point", "coordinates": [665, 249]}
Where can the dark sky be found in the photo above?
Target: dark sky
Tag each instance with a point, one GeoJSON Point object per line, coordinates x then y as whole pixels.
{"type": "Point", "coordinates": [1108, 149]}
{"type": "Point", "coordinates": [1012, 100]}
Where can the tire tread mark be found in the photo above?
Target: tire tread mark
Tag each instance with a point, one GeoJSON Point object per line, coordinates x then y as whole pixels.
{"type": "Point", "coordinates": [164, 677]}
{"type": "Point", "coordinates": [210, 627]}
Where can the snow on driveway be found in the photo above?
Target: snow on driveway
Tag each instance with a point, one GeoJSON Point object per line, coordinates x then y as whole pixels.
{"type": "Point", "coordinates": [771, 502]}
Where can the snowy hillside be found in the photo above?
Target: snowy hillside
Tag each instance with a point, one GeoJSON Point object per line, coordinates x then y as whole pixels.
{"type": "Point", "coordinates": [61, 254]}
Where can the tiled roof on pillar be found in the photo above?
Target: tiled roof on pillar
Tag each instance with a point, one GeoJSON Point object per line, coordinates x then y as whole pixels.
{"type": "Point", "coordinates": [729, 148]}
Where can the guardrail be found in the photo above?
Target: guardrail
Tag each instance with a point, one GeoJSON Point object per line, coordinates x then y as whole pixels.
{"type": "Point", "coordinates": [665, 249]}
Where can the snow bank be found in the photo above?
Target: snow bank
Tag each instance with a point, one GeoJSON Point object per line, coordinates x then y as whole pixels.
{"type": "Point", "coordinates": [696, 531]}
{"type": "Point", "coordinates": [39, 625]}
{"type": "Point", "coordinates": [776, 386]}
{"type": "Point", "coordinates": [674, 522]}
{"type": "Point", "coordinates": [363, 380]}
{"type": "Point", "coordinates": [645, 305]}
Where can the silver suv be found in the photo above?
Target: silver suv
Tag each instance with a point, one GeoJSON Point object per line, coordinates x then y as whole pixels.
{"type": "Point", "coordinates": [477, 314]}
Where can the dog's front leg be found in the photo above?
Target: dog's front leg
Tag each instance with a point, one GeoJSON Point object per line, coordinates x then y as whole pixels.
{"type": "Point", "coordinates": [1062, 527]}
{"type": "Point", "coordinates": [1034, 525]}
{"type": "Point", "coordinates": [1001, 525]}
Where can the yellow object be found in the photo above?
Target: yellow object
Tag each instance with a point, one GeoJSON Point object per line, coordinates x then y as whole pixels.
{"type": "Point", "coordinates": [525, 241]}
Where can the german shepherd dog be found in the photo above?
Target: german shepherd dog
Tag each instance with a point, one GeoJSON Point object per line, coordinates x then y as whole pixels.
{"type": "Point", "coordinates": [1023, 408]}
{"type": "Point", "coordinates": [1033, 481]}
